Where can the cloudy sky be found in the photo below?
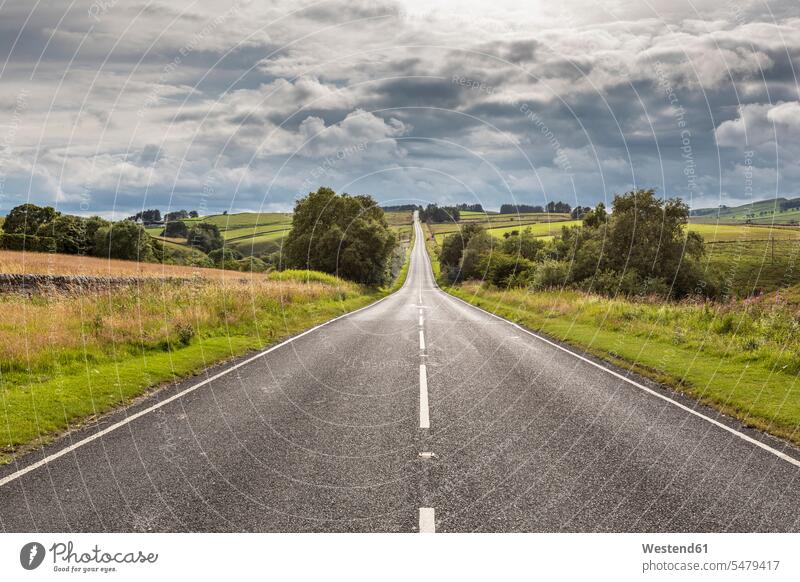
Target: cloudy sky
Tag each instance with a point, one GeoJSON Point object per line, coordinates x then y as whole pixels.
{"type": "Point", "coordinates": [111, 106]}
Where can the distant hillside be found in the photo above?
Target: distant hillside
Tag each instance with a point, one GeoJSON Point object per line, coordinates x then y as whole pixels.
{"type": "Point", "coordinates": [773, 211]}
{"type": "Point", "coordinates": [259, 234]}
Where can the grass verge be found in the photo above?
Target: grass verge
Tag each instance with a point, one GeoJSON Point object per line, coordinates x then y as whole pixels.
{"type": "Point", "coordinates": [742, 357]}
{"type": "Point", "coordinates": [69, 357]}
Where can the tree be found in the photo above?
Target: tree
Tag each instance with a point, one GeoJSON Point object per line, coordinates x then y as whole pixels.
{"type": "Point", "coordinates": [643, 243]}
{"type": "Point", "coordinates": [224, 254]}
{"type": "Point", "coordinates": [525, 245]}
{"type": "Point", "coordinates": [70, 234]}
{"type": "Point", "coordinates": [177, 229]}
{"type": "Point", "coordinates": [433, 213]}
{"type": "Point", "coordinates": [474, 262]}
{"type": "Point", "coordinates": [579, 212]}
{"type": "Point", "coordinates": [27, 218]}
{"type": "Point", "coordinates": [123, 240]}
{"type": "Point", "coordinates": [516, 208]}
{"type": "Point", "coordinates": [175, 216]}
{"type": "Point", "coordinates": [453, 246]}
{"type": "Point", "coordinates": [595, 218]}
{"type": "Point", "coordinates": [557, 207]}
{"type": "Point", "coordinates": [193, 214]}
{"type": "Point", "coordinates": [205, 236]}
{"type": "Point", "coordinates": [340, 234]}
{"type": "Point", "coordinates": [470, 207]}
{"type": "Point", "coordinates": [150, 215]}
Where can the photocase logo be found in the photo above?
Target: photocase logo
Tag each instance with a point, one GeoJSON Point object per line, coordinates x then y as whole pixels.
{"type": "Point", "coordinates": [31, 555]}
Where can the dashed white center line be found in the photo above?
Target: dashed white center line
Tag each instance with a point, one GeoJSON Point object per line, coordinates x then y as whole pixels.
{"type": "Point", "coordinates": [421, 339]}
{"type": "Point", "coordinates": [427, 520]}
{"type": "Point", "coordinates": [424, 415]}
{"type": "Point", "coordinates": [420, 321]}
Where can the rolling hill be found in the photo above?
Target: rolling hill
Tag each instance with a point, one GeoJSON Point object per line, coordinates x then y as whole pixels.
{"type": "Point", "coordinates": [258, 234]}
{"type": "Point", "coordinates": [772, 211]}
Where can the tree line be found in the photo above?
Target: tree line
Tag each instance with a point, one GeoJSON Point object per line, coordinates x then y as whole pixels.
{"type": "Point", "coordinates": [641, 248]}
{"type": "Point", "coordinates": [43, 229]}
{"type": "Point", "coordinates": [436, 213]}
{"type": "Point", "coordinates": [549, 208]}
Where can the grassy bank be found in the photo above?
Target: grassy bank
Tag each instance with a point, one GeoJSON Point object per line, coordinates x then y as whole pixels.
{"type": "Point", "coordinates": [68, 357]}
{"type": "Point", "coordinates": [742, 357]}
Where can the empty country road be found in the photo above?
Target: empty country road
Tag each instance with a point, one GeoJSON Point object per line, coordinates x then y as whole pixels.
{"type": "Point", "coordinates": [417, 413]}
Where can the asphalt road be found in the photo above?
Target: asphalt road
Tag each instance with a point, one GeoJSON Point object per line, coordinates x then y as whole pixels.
{"type": "Point", "coordinates": [325, 433]}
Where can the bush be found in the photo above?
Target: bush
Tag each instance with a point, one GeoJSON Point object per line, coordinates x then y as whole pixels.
{"type": "Point", "coordinates": [176, 229]}
{"type": "Point", "coordinates": [550, 273]}
{"type": "Point", "coordinates": [252, 264]}
{"type": "Point", "coordinates": [205, 236]}
{"type": "Point", "coordinates": [21, 242]}
{"type": "Point", "coordinates": [506, 271]}
{"type": "Point", "coordinates": [123, 240]}
{"type": "Point", "coordinates": [73, 235]}
{"type": "Point", "coordinates": [221, 255]}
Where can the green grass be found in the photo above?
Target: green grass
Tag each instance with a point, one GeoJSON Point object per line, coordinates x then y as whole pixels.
{"type": "Point", "coordinates": [725, 232]}
{"type": "Point", "coordinates": [245, 219]}
{"type": "Point", "coordinates": [753, 267]}
{"type": "Point", "coordinates": [68, 358]}
{"type": "Point", "coordinates": [542, 229]}
{"type": "Point", "coordinates": [758, 212]}
{"type": "Point", "coordinates": [741, 358]}
{"type": "Point", "coordinates": [254, 234]}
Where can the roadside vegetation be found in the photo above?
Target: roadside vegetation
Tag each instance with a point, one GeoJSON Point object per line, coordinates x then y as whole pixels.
{"type": "Point", "coordinates": [641, 288]}
{"type": "Point", "coordinates": [340, 234]}
{"type": "Point", "coordinates": [69, 354]}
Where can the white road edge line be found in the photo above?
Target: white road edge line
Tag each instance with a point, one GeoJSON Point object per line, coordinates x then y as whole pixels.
{"type": "Point", "coordinates": [41, 463]}
{"type": "Point", "coordinates": [424, 414]}
{"type": "Point", "coordinates": [427, 520]}
{"type": "Point", "coordinates": [723, 426]}
{"type": "Point", "coordinates": [421, 340]}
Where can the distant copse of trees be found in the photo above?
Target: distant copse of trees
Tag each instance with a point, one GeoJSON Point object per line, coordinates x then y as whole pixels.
{"type": "Point", "coordinates": [150, 215]}
{"type": "Point", "coordinates": [470, 207]}
{"type": "Point", "coordinates": [551, 207]}
{"type": "Point", "coordinates": [402, 208]}
{"type": "Point", "coordinates": [435, 213]}
{"type": "Point", "coordinates": [36, 228]}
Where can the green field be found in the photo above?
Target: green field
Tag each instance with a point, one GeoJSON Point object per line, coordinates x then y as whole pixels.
{"type": "Point", "coordinates": [759, 212]}
{"type": "Point", "coordinates": [745, 268]}
{"type": "Point", "coordinates": [499, 228]}
{"type": "Point", "coordinates": [259, 234]}
{"type": "Point", "coordinates": [725, 232]}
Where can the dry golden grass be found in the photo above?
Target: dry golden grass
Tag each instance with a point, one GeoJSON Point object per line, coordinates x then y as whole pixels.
{"type": "Point", "coordinates": [23, 262]}
{"type": "Point", "coordinates": [45, 331]}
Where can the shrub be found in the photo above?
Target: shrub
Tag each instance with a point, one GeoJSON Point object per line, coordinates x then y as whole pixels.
{"type": "Point", "coordinates": [123, 240]}
{"type": "Point", "coordinates": [550, 273]}
{"type": "Point", "coordinates": [21, 242]}
{"type": "Point", "coordinates": [503, 269]}
{"type": "Point", "coordinates": [176, 229]}
{"type": "Point", "coordinates": [219, 256]}
{"type": "Point", "coordinates": [252, 264]}
{"type": "Point", "coordinates": [185, 332]}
